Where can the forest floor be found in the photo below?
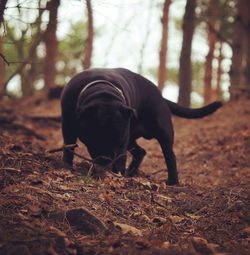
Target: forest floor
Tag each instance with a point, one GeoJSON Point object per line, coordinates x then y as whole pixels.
{"type": "Point", "coordinates": [47, 209]}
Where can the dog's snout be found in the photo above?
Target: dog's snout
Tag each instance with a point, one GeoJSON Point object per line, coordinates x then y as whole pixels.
{"type": "Point", "coordinates": [103, 161]}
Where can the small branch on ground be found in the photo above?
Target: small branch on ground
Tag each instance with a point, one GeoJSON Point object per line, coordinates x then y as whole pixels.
{"type": "Point", "coordinates": [11, 169]}
{"type": "Point", "coordinates": [68, 146]}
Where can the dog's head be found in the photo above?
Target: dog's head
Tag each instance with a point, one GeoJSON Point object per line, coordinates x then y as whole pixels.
{"type": "Point", "coordinates": [105, 129]}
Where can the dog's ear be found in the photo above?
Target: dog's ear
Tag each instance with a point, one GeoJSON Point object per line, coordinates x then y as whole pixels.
{"type": "Point", "coordinates": [129, 112]}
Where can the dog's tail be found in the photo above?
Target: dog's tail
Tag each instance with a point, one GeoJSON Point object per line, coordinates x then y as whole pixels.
{"type": "Point", "coordinates": [188, 113]}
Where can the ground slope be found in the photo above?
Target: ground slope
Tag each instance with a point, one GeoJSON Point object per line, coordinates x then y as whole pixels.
{"type": "Point", "coordinates": [47, 209]}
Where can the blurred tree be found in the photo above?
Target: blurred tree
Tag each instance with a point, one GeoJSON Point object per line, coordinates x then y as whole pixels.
{"type": "Point", "coordinates": [239, 73]}
{"type": "Point", "coordinates": [2, 63]}
{"type": "Point", "coordinates": [208, 76]}
{"type": "Point", "coordinates": [247, 31]}
{"type": "Point", "coordinates": [211, 38]}
{"type": "Point", "coordinates": [21, 46]}
{"type": "Point", "coordinates": [218, 16]}
{"type": "Point", "coordinates": [162, 72]}
{"type": "Point", "coordinates": [70, 53]}
{"type": "Point", "coordinates": [89, 46]}
{"type": "Point", "coordinates": [220, 57]}
{"type": "Point", "coordinates": [185, 72]}
{"type": "Point", "coordinates": [51, 45]}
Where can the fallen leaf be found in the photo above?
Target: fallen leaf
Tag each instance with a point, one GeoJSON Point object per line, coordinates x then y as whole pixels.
{"type": "Point", "coordinates": [35, 210]}
{"type": "Point", "coordinates": [106, 198]}
{"type": "Point", "coordinates": [168, 199]}
{"type": "Point", "coordinates": [192, 216]}
{"type": "Point", "coordinates": [176, 219]}
{"type": "Point", "coordinates": [127, 228]}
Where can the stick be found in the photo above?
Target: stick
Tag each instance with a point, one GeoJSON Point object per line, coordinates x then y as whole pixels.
{"type": "Point", "coordinates": [68, 146]}
{"type": "Point", "coordinates": [10, 169]}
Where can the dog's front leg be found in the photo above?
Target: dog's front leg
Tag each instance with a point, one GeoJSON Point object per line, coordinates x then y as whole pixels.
{"type": "Point", "coordinates": [138, 154]}
{"type": "Point", "coordinates": [119, 164]}
{"type": "Point", "coordinates": [69, 137]}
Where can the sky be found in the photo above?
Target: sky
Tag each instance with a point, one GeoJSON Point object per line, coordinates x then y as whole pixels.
{"type": "Point", "coordinates": [124, 28]}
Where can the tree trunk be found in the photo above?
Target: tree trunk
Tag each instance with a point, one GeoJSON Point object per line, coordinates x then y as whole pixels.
{"type": "Point", "coordinates": [89, 47]}
{"type": "Point", "coordinates": [2, 64]}
{"type": "Point", "coordinates": [51, 45]}
{"type": "Point", "coordinates": [162, 71]}
{"type": "Point", "coordinates": [247, 30]}
{"type": "Point", "coordinates": [240, 48]}
{"type": "Point", "coordinates": [208, 91]}
{"type": "Point", "coordinates": [219, 73]}
{"type": "Point", "coordinates": [185, 72]}
{"type": "Point", "coordinates": [2, 9]}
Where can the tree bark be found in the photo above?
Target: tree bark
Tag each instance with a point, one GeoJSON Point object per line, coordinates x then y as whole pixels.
{"type": "Point", "coordinates": [89, 47]}
{"type": "Point", "coordinates": [208, 91]}
{"type": "Point", "coordinates": [2, 9]}
{"type": "Point", "coordinates": [219, 73]}
{"type": "Point", "coordinates": [247, 30]}
{"type": "Point", "coordinates": [2, 63]}
{"type": "Point", "coordinates": [185, 72]}
{"type": "Point", "coordinates": [162, 71]}
{"type": "Point", "coordinates": [240, 59]}
{"type": "Point", "coordinates": [51, 45]}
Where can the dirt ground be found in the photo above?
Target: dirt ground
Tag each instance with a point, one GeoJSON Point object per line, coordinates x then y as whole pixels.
{"type": "Point", "coordinates": [47, 209]}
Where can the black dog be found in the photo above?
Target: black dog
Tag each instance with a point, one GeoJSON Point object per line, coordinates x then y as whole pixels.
{"type": "Point", "coordinates": [108, 109]}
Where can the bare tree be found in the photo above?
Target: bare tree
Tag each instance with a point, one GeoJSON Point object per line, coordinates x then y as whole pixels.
{"type": "Point", "coordinates": [239, 73]}
{"type": "Point", "coordinates": [247, 31]}
{"type": "Point", "coordinates": [208, 91]}
{"type": "Point", "coordinates": [2, 64]}
{"type": "Point", "coordinates": [162, 71]}
{"type": "Point", "coordinates": [219, 72]}
{"type": "Point", "coordinates": [89, 47]}
{"type": "Point", "coordinates": [51, 45]}
{"type": "Point", "coordinates": [185, 72]}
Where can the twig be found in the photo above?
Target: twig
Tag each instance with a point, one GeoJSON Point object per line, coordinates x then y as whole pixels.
{"type": "Point", "coordinates": [218, 34]}
{"type": "Point", "coordinates": [68, 146]}
{"type": "Point", "coordinates": [158, 203]}
{"type": "Point", "coordinates": [200, 210]}
{"type": "Point", "coordinates": [158, 171]}
{"type": "Point", "coordinates": [90, 170]}
{"type": "Point", "coordinates": [10, 169]}
{"type": "Point", "coordinates": [17, 62]}
{"type": "Point", "coordinates": [4, 59]}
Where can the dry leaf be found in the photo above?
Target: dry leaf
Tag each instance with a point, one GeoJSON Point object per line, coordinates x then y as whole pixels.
{"type": "Point", "coordinates": [126, 229]}
{"type": "Point", "coordinates": [176, 219]}
{"type": "Point", "coordinates": [35, 210]}
{"type": "Point", "coordinates": [106, 198]}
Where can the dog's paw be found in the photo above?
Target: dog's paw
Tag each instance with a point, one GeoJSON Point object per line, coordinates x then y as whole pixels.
{"type": "Point", "coordinates": [131, 172]}
{"type": "Point", "coordinates": [172, 182]}
{"type": "Point", "coordinates": [67, 166]}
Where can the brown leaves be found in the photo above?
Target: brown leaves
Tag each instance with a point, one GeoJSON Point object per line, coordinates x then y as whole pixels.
{"type": "Point", "coordinates": [47, 209]}
{"type": "Point", "coordinates": [128, 229]}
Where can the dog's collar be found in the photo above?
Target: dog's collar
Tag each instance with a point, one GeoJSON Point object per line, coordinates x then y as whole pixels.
{"type": "Point", "coordinates": [106, 82]}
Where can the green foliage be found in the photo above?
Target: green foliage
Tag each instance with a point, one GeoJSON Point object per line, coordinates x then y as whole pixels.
{"type": "Point", "coordinates": [197, 77]}
{"type": "Point", "coordinates": [87, 179]}
{"type": "Point", "coordinates": [71, 52]}
{"type": "Point", "coordinates": [19, 40]}
{"type": "Point", "coordinates": [222, 12]}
